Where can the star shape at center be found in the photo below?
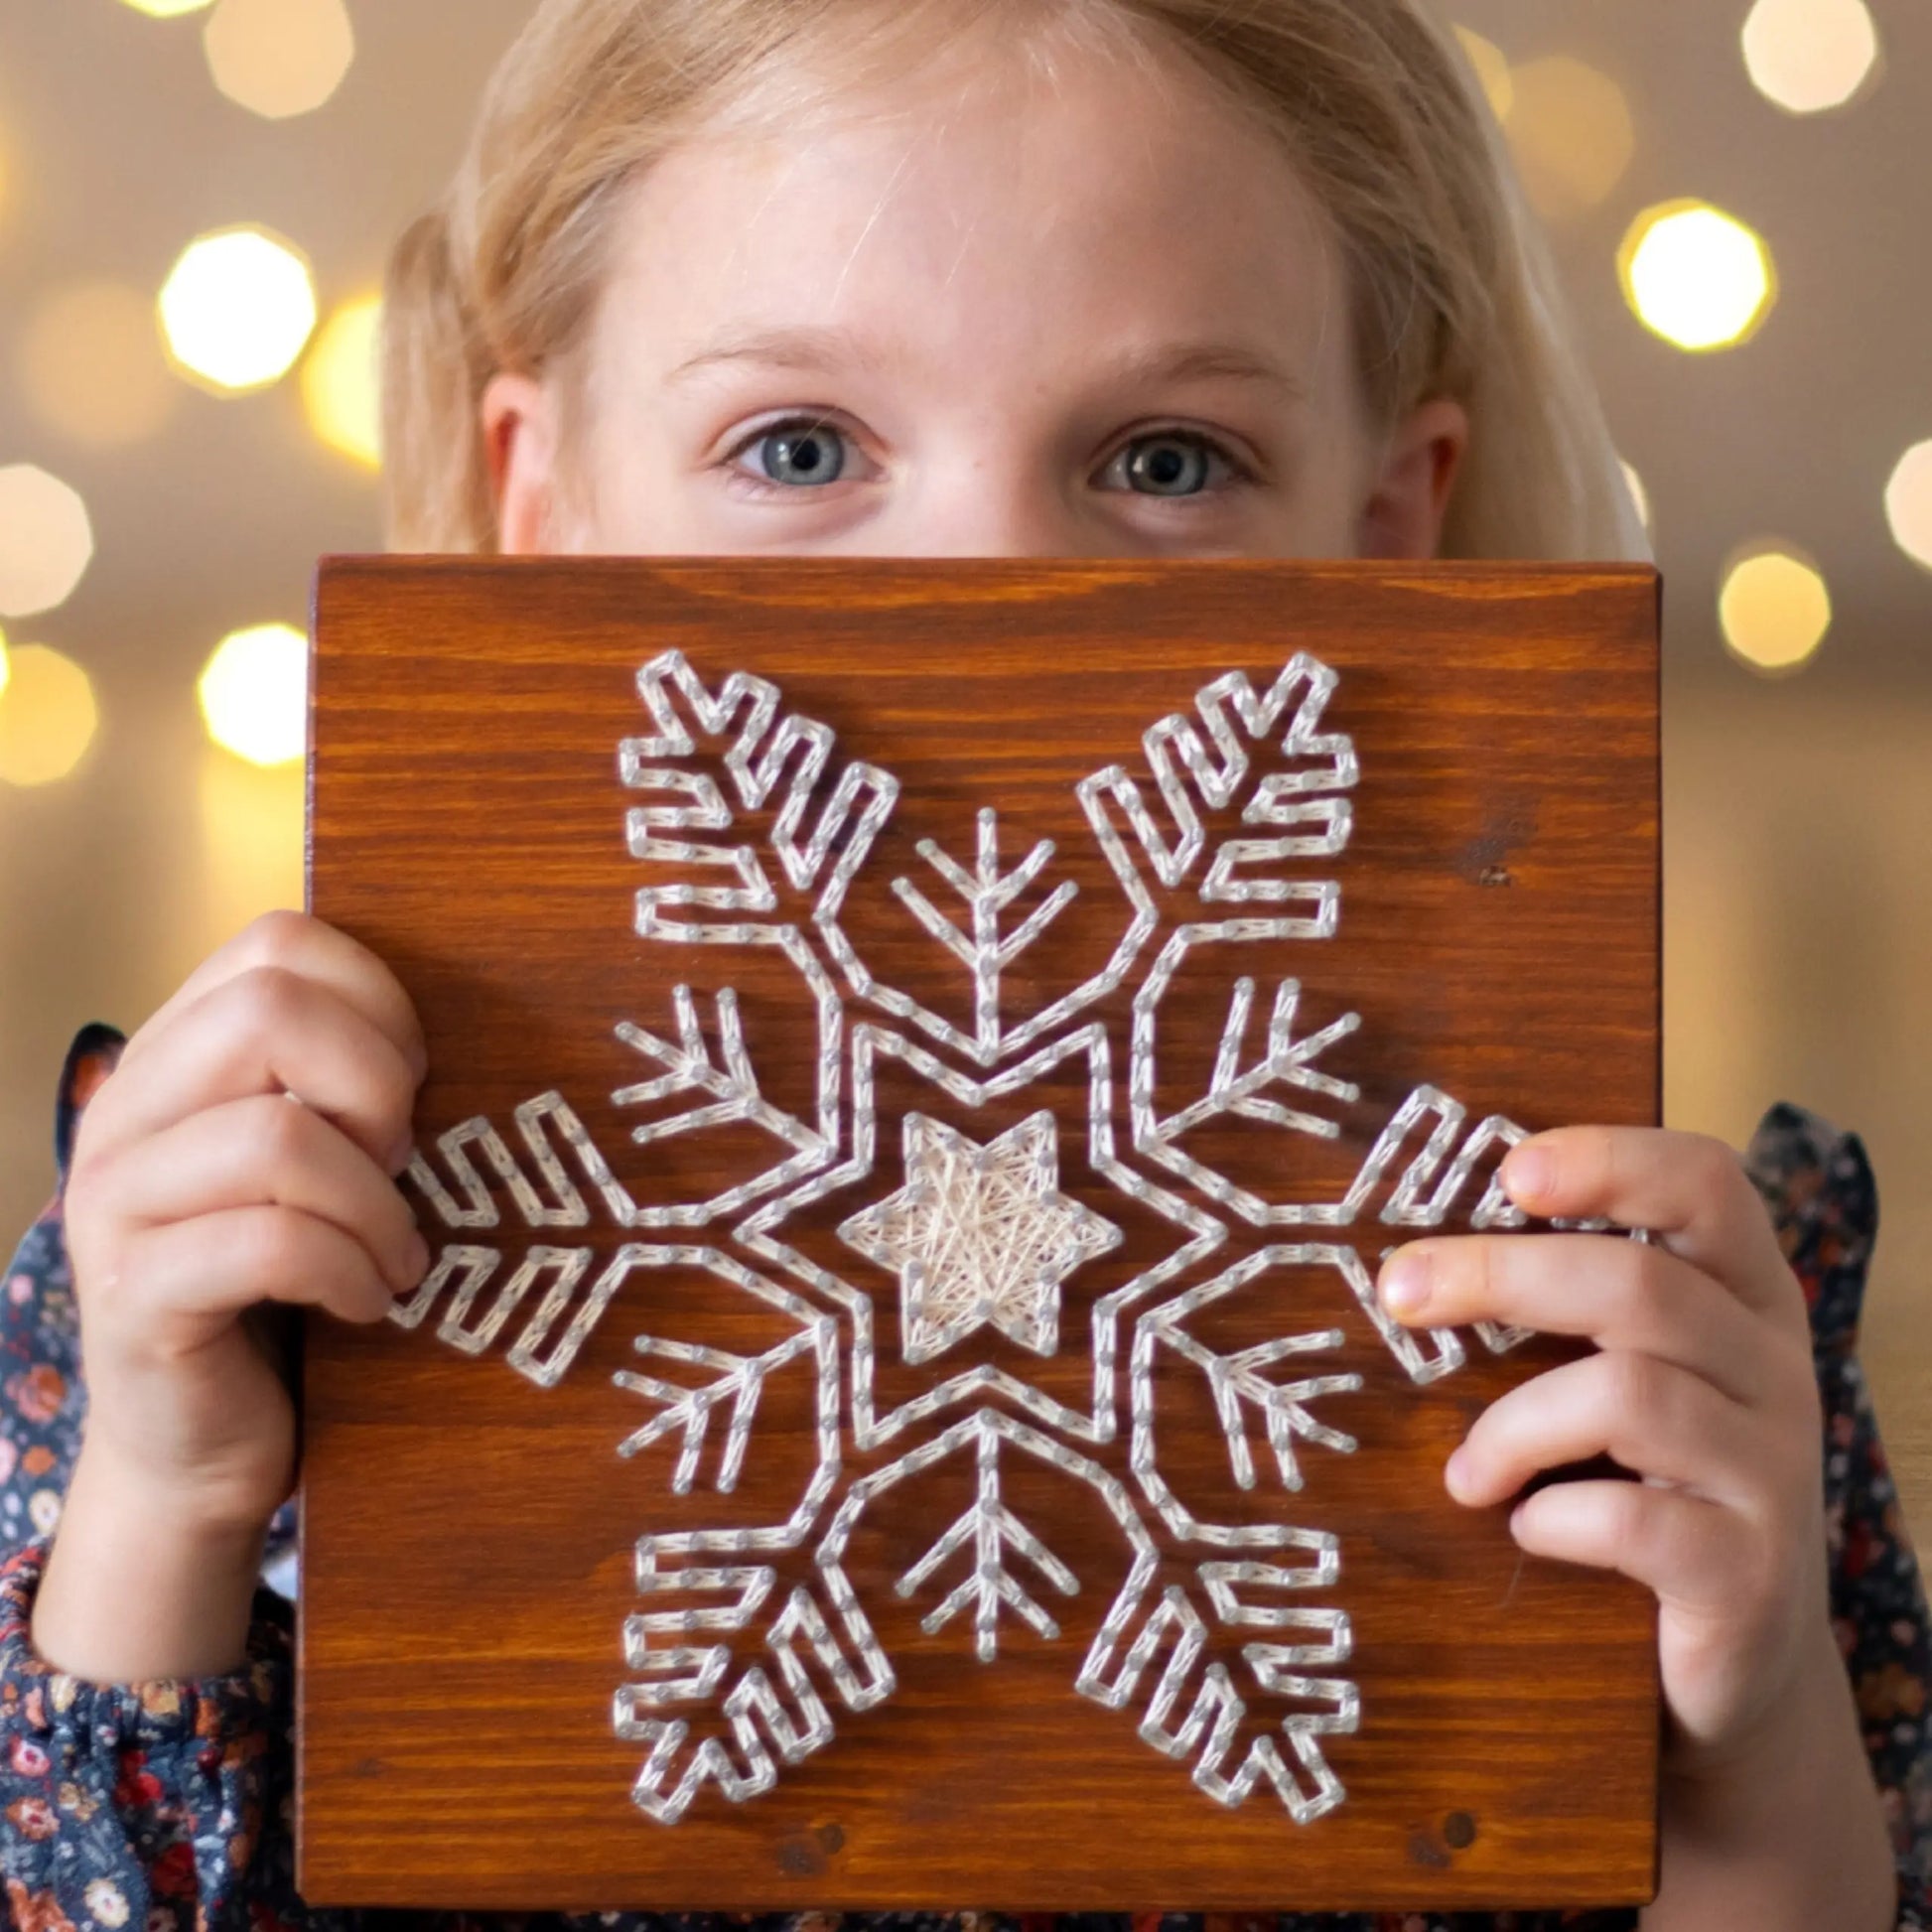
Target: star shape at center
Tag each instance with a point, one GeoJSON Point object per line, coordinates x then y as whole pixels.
{"type": "Point", "coordinates": [979, 1235]}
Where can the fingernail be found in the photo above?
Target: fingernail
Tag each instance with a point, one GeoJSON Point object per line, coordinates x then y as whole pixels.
{"type": "Point", "coordinates": [1456, 1472]}
{"type": "Point", "coordinates": [415, 1259]}
{"type": "Point", "coordinates": [1526, 1174]}
{"type": "Point", "coordinates": [402, 1153]}
{"type": "Point", "coordinates": [1404, 1283]}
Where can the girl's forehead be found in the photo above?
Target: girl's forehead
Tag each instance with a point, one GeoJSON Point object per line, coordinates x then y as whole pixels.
{"type": "Point", "coordinates": [1098, 193]}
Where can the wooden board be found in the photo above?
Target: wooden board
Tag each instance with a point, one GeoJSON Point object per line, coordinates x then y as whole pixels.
{"type": "Point", "coordinates": [1030, 1279]}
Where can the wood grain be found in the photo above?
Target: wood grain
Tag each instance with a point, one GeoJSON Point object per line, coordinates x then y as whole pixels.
{"type": "Point", "coordinates": [468, 1536]}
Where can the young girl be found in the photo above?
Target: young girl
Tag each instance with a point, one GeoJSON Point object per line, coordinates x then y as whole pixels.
{"type": "Point", "coordinates": [976, 277]}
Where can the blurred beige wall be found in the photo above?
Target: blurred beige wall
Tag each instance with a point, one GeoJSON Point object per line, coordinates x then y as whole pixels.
{"type": "Point", "coordinates": [1798, 966]}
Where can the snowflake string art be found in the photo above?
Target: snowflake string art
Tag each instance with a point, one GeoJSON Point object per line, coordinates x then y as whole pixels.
{"type": "Point", "coordinates": [932, 1310]}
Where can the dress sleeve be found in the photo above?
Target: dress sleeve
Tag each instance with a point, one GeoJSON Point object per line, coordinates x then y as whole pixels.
{"type": "Point", "coordinates": [1817, 1184]}
{"type": "Point", "coordinates": [155, 1807]}
{"type": "Point", "coordinates": [158, 1807]}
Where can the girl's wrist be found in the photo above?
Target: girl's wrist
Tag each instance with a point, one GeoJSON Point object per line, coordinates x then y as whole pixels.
{"type": "Point", "coordinates": [1793, 1821]}
{"type": "Point", "coordinates": [1816, 1706]}
{"type": "Point", "coordinates": [141, 1587]}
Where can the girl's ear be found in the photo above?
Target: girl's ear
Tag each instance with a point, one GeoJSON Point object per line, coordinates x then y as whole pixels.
{"type": "Point", "coordinates": [520, 426]}
{"type": "Point", "coordinates": [1408, 502]}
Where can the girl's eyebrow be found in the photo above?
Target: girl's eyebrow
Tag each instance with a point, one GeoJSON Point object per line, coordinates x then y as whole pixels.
{"type": "Point", "coordinates": [817, 351]}
{"type": "Point", "coordinates": [1200, 362]}
{"type": "Point", "coordinates": [811, 350]}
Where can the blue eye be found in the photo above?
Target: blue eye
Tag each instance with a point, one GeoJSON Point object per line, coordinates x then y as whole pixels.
{"type": "Point", "coordinates": [1169, 465]}
{"type": "Point", "coordinates": [804, 456]}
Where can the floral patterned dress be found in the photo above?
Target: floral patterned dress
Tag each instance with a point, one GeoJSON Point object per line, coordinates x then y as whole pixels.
{"type": "Point", "coordinates": [165, 1806]}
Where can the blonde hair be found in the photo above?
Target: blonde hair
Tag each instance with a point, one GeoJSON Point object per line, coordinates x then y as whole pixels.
{"type": "Point", "coordinates": [1451, 288]}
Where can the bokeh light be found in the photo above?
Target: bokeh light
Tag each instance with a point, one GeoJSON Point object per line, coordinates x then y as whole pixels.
{"type": "Point", "coordinates": [1492, 69]}
{"type": "Point", "coordinates": [92, 366]}
{"type": "Point", "coordinates": [254, 694]}
{"type": "Point", "coordinates": [279, 57]}
{"type": "Point", "coordinates": [48, 716]}
{"type": "Point", "coordinates": [1809, 55]}
{"type": "Point", "coordinates": [1571, 132]}
{"type": "Point", "coordinates": [1908, 504]}
{"type": "Point", "coordinates": [167, 9]}
{"type": "Point", "coordinates": [46, 541]}
{"type": "Point", "coordinates": [1774, 608]}
{"type": "Point", "coordinates": [1697, 276]}
{"type": "Point", "coordinates": [1638, 494]}
{"type": "Point", "coordinates": [6, 664]}
{"type": "Point", "coordinates": [252, 820]}
{"type": "Point", "coordinates": [237, 309]}
{"type": "Point", "coordinates": [340, 383]}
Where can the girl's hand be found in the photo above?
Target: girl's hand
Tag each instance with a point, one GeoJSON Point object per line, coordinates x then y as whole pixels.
{"type": "Point", "coordinates": [198, 1189]}
{"type": "Point", "coordinates": [1703, 1386]}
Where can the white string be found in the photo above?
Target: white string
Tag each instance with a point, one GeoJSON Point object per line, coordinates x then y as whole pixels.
{"type": "Point", "coordinates": [978, 1234]}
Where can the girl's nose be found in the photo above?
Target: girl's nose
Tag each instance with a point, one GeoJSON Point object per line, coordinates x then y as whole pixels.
{"type": "Point", "coordinates": [988, 512]}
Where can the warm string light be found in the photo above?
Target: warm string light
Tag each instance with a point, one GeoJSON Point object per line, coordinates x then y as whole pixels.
{"type": "Point", "coordinates": [236, 312]}
{"type": "Point", "coordinates": [1774, 608]}
{"type": "Point", "coordinates": [252, 837]}
{"type": "Point", "coordinates": [1908, 504]}
{"type": "Point", "coordinates": [237, 309]}
{"type": "Point", "coordinates": [1492, 66]}
{"type": "Point", "coordinates": [48, 716]}
{"type": "Point", "coordinates": [1567, 124]}
{"type": "Point", "coordinates": [254, 694]}
{"type": "Point", "coordinates": [1571, 131]}
{"type": "Point", "coordinates": [341, 386]}
{"type": "Point", "coordinates": [46, 541]}
{"type": "Point", "coordinates": [1810, 56]}
{"type": "Point", "coordinates": [1697, 276]}
{"type": "Point", "coordinates": [279, 57]}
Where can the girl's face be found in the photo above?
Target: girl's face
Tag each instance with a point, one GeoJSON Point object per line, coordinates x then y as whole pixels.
{"type": "Point", "coordinates": [1095, 315]}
